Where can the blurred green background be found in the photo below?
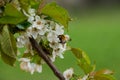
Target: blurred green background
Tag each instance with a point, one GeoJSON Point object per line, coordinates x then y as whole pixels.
{"type": "Point", "coordinates": [96, 31]}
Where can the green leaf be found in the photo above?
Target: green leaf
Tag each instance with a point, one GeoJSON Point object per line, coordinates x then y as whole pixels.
{"type": "Point", "coordinates": [104, 71]}
{"type": "Point", "coordinates": [1, 27]}
{"type": "Point", "coordinates": [0, 43]}
{"type": "Point", "coordinates": [56, 12]}
{"type": "Point", "coordinates": [7, 59]}
{"type": "Point", "coordinates": [83, 60]}
{"type": "Point", "coordinates": [0, 46]}
{"type": "Point", "coordinates": [8, 43]}
{"type": "Point", "coordinates": [10, 10]}
{"type": "Point", "coordinates": [80, 54]}
{"type": "Point", "coordinates": [11, 20]}
{"type": "Point", "coordinates": [104, 77]}
{"type": "Point", "coordinates": [12, 15]}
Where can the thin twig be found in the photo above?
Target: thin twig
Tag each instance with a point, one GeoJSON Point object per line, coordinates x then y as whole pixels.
{"type": "Point", "coordinates": [42, 4]}
{"type": "Point", "coordinates": [43, 55]}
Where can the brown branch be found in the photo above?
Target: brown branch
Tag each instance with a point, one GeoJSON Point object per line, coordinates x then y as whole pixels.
{"type": "Point", "coordinates": [43, 55]}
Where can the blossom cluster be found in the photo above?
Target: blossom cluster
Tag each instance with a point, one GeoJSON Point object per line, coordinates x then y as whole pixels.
{"type": "Point", "coordinates": [29, 67]}
{"type": "Point", "coordinates": [41, 29]}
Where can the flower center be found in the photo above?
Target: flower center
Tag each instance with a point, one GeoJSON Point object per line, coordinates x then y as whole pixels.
{"type": "Point", "coordinates": [68, 76]}
{"type": "Point", "coordinates": [38, 22]}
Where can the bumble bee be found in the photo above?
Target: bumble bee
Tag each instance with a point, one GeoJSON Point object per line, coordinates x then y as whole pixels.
{"type": "Point", "coordinates": [64, 38]}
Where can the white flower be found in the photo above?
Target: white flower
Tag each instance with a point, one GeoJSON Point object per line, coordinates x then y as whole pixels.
{"type": "Point", "coordinates": [52, 37]}
{"type": "Point", "coordinates": [38, 23]}
{"type": "Point", "coordinates": [25, 64]}
{"type": "Point", "coordinates": [35, 32]}
{"type": "Point", "coordinates": [58, 50]}
{"type": "Point", "coordinates": [59, 29]}
{"type": "Point", "coordinates": [29, 67]}
{"type": "Point", "coordinates": [35, 67]}
{"type": "Point", "coordinates": [56, 53]}
{"type": "Point", "coordinates": [68, 73]}
{"type": "Point", "coordinates": [43, 30]}
{"type": "Point", "coordinates": [55, 45]}
{"type": "Point", "coordinates": [56, 28]}
{"type": "Point", "coordinates": [30, 15]}
{"type": "Point", "coordinates": [52, 25]}
{"type": "Point", "coordinates": [31, 12]}
{"type": "Point", "coordinates": [32, 32]}
{"type": "Point", "coordinates": [21, 41]}
{"type": "Point", "coordinates": [32, 68]}
{"type": "Point", "coordinates": [38, 68]}
{"type": "Point", "coordinates": [31, 19]}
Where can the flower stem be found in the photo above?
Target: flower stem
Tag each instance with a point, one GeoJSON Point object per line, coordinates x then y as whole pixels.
{"type": "Point", "coordinates": [43, 55]}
